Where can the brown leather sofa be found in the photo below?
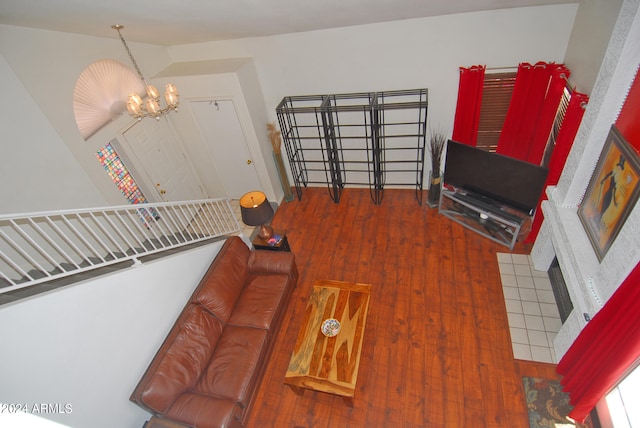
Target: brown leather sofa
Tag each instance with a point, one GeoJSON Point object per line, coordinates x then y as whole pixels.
{"type": "Point", "coordinates": [208, 369]}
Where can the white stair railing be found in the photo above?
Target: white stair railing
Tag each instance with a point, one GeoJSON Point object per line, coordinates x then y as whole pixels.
{"type": "Point", "coordinates": [40, 247]}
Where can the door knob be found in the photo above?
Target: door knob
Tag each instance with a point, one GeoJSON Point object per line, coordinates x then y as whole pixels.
{"type": "Point", "coordinates": [162, 191]}
{"type": "Point", "coordinates": [248, 161]}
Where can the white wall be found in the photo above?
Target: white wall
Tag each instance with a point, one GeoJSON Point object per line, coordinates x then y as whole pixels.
{"type": "Point", "coordinates": [589, 39]}
{"type": "Point", "coordinates": [38, 172]}
{"type": "Point", "coordinates": [88, 344]}
{"type": "Point", "coordinates": [407, 54]}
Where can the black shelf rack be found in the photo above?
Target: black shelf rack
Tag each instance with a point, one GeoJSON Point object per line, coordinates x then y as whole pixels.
{"type": "Point", "coordinates": [373, 139]}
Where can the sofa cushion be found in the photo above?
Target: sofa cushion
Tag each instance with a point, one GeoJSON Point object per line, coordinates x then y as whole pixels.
{"type": "Point", "coordinates": [261, 300]}
{"type": "Point", "coordinates": [184, 357]}
{"type": "Point", "coordinates": [225, 280]}
{"type": "Point", "coordinates": [232, 371]}
{"type": "Point", "coordinates": [205, 412]}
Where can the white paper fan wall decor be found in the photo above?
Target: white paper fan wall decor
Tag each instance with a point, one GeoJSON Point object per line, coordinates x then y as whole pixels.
{"type": "Point", "coordinates": [101, 94]}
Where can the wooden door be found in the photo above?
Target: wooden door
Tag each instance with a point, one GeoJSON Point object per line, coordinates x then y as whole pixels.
{"type": "Point", "coordinates": [223, 134]}
{"type": "Point", "coordinates": [159, 156]}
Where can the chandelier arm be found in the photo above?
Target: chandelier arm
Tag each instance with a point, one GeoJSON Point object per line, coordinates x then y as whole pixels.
{"type": "Point", "coordinates": [143, 113]}
{"type": "Point", "coordinates": [140, 110]}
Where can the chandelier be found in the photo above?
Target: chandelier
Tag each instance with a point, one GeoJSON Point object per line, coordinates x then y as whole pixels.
{"type": "Point", "coordinates": [151, 106]}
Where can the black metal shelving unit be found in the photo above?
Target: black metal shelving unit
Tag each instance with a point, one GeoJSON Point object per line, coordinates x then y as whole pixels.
{"type": "Point", "coordinates": [373, 139]}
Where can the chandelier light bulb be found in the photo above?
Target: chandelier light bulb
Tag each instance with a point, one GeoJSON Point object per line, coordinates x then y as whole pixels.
{"type": "Point", "coordinates": [171, 99]}
{"type": "Point", "coordinates": [152, 92]}
{"type": "Point", "coordinates": [133, 109]}
{"type": "Point", "coordinates": [152, 106]}
{"type": "Point", "coordinates": [135, 99]}
{"type": "Point", "coordinates": [171, 88]}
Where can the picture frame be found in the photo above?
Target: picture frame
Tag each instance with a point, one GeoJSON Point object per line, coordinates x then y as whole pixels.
{"type": "Point", "coordinates": [612, 192]}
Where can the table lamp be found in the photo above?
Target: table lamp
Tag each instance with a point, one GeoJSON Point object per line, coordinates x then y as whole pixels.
{"type": "Point", "coordinates": [257, 211]}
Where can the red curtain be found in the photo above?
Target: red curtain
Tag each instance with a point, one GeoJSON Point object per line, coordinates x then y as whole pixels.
{"type": "Point", "coordinates": [564, 141]}
{"type": "Point", "coordinates": [558, 75]}
{"type": "Point", "coordinates": [467, 118]}
{"type": "Point", "coordinates": [536, 96]}
{"type": "Point", "coordinates": [605, 349]}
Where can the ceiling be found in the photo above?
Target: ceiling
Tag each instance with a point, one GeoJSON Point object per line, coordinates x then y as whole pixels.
{"type": "Point", "coordinates": [172, 22]}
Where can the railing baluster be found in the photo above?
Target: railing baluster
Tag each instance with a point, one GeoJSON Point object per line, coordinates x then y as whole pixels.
{"type": "Point", "coordinates": [164, 231]}
{"type": "Point", "coordinates": [90, 238]}
{"type": "Point", "coordinates": [33, 244]}
{"type": "Point", "coordinates": [66, 239]}
{"type": "Point", "coordinates": [54, 244]}
{"type": "Point", "coordinates": [95, 236]}
{"type": "Point", "coordinates": [107, 233]}
{"type": "Point", "coordinates": [204, 208]}
{"type": "Point", "coordinates": [14, 265]}
{"type": "Point", "coordinates": [183, 224]}
{"type": "Point", "coordinates": [132, 219]}
{"type": "Point", "coordinates": [194, 214]}
{"type": "Point", "coordinates": [167, 217]}
{"type": "Point", "coordinates": [82, 239]}
{"type": "Point", "coordinates": [177, 215]}
{"type": "Point", "coordinates": [121, 219]}
{"type": "Point", "coordinates": [150, 226]}
{"type": "Point", "coordinates": [2, 275]}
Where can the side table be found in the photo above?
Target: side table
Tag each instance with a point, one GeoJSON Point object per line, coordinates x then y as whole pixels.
{"type": "Point", "coordinates": [283, 245]}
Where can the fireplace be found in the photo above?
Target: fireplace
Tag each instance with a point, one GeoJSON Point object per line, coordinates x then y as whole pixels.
{"type": "Point", "coordinates": [560, 291]}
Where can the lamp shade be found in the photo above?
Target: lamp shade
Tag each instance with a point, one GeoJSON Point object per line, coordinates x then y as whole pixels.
{"type": "Point", "coordinates": [255, 208]}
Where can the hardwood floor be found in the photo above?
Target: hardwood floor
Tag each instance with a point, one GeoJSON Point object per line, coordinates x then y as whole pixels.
{"type": "Point", "coordinates": [436, 351]}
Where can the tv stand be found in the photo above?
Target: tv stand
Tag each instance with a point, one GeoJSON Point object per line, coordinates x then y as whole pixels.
{"type": "Point", "coordinates": [487, 217]}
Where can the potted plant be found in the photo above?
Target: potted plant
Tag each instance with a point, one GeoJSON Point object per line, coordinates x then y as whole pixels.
{"type": "Point", "coordinates": [437, 144]}
{"type": "Point", "coordinates": [276, 143]}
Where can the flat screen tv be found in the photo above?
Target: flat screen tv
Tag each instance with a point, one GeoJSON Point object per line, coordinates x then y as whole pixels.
{"type": "Point", "coordinates": [506, 180]}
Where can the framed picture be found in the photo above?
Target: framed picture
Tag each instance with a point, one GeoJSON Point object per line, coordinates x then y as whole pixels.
{"type": "Point", "coordinates": [612, 192]}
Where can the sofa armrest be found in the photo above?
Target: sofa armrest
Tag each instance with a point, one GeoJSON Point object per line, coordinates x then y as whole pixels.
{"type": "Point", "coordinates": [272, 262]}
{"type": "Point", "coordinates": [158, 422]}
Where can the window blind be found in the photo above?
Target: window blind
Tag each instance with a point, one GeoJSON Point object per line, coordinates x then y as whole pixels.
{"type": "Point", "coordinates": [496, 96]}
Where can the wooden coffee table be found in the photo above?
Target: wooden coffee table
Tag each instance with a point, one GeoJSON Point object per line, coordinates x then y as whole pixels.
{"type": "Point", "coordinates": [330, 364]}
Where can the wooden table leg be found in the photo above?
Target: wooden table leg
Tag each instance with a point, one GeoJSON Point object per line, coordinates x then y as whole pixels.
{"type": "Point", "coordinates": [348, 401]}
{"type": "Point", "coordinates": [297, 389]}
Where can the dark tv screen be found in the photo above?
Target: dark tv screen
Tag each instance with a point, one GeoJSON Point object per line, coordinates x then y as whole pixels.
{"type": "Point", "coordinates": [510, 181]}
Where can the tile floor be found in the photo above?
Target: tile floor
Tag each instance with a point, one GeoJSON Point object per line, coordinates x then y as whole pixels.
{"type": "Point", "coordinates": [533, 315]}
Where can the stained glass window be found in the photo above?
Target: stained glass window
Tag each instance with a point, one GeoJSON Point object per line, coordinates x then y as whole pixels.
{"type": "Point", "coordinates": [112, 163]}
{"type": "Point", "coordinates": [118, 172]}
